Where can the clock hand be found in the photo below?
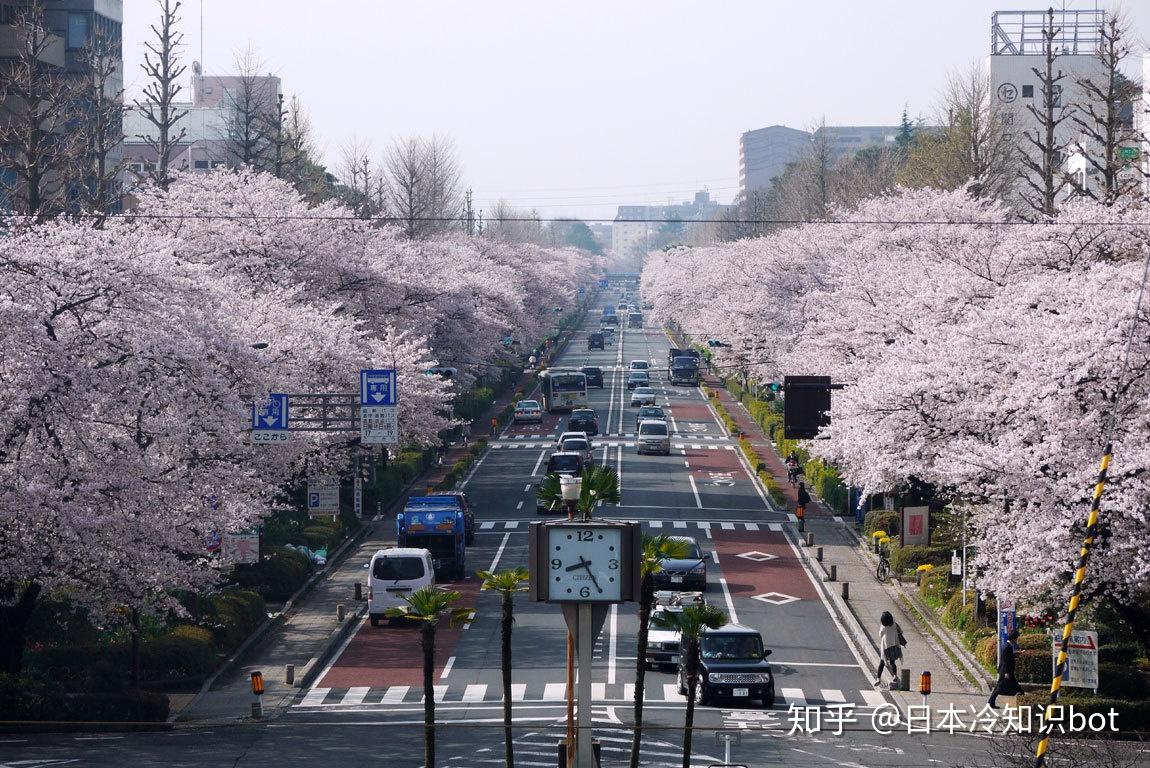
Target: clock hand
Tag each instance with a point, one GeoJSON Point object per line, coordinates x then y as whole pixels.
{"type": "Point", "coordinates": [594, 580]}
{"type": "Point", "coordinates": [581, 564]}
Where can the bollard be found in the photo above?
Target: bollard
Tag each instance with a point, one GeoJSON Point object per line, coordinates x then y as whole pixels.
{"type": "Point", "coordinates": [810, 539]}
{"type": "Point", "coordinates": [819, 554]}
{"type": "Point", "coordinates": [340, 612]}
{"type": "Point", "coordinates": [846, 590]}
{"type": "Point", "coordinates": [289, 674]}
{"type": "Point", "coordinates": [904, 679]}
{"type": "Point", "coordinates": [833, 573]}
{"type": "Point", "coordinates": [359, 590]}
{"type": "Point", "coordinates": [257, 709]}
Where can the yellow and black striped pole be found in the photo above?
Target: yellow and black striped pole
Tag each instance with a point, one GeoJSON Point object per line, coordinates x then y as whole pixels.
{"type": "Point", "coordinates": [1075, 597]}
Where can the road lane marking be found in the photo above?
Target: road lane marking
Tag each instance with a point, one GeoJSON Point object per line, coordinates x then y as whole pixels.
{"type": "Point", "coordinates": [554, 691]}
{"type": "Point", "coordinates": [535, 469]}
{"type": "Point", "coordinates": [629, 692]}
{"type": "Point", "coordinates": [873, 698]}
{"type": "Point", "coordinates": [752, 526]}
{"type": "Point", "coordinates": [655, 523]}
{"type": "Point", "coordinates": [355, 695]}
{"type": "Point", "coordinates": [730, 603]}
{"type": "Point", "coordinates": [686, 464]}
{"type": "Point", "coordinates": [475, 692]}
{"type": "Point", "coordinates": [671, 692]}
{"type": "Point", "coordinates": [619, 469]}
{"type": "Point", "coordinates": [343, 647]}
{"type": "Point", "coordinates": [679, 523]}
{"type": "Point", "coordinates": [794, 696]}
{"type": "Point", "coordinates": [487, 526]}
{"type": "Point", "coordinates": [498, 554]}
{"type": "Point", "coordinates": [395, 694]}
{"type": "Point", "coordinates": [715, 556]}
{"type": "Point", "coordinates": [598, 691]}
{"type": "Point", "coordinates": [776, 527]}
{"type": "Point", "coordinates": [695, 490]}
{"type": "Point", "coordinates": [527, 488]}
{"type": "Point", "coordinates": [446, 670]}
{"type": "Point", "coordinates": [519, 505]}
{"type": "Point", "coordinates": [727, 526]}
{"type": "Point", "coordinates": [833, 696]}
{"type": "Point", "coordinates": [315, 697]}
{"type": "Point", "coordinates": [612, 659]}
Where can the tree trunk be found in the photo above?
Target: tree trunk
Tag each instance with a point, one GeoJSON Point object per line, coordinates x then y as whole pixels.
{"type": "Point", "coordinates": [427, 643]}
{"type": "Point", "coordinates": [646, 597]}
{"type": "Point", "coordinates": [508, 749]}
{"type": "Point", "coordinates": [14, 627]}
{"type": "Point", "coordinates": [692, 686]}
{"type": "Point", "coordinates": [135, 676]}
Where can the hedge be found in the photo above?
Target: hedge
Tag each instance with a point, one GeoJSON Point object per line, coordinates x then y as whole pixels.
{"type": "Point", "coordinates": [1132, 715]}
{"type": "Point", "coordinates": [881, 520]}
{"type": "Point", "coordinates": [1119, 653]}
{"type": "Point", "coordinates": [34, 697]}
{"type": "Point", "coordinates": [1033, 666]}
{"type": "Point", "coordinates": [234, 615]}
{"type": "Point", "coordinates": [1122, 682]}
{"type": "Point", "coordinates": [120, 706]}
{"type": "Point", "coordinates": [184, 651]}
{"type": "Point", "coordinates": [31, 697]}
{"type": "Point", "coordinates": [908, 558]}
{"type": "Point", "coordinates": [276, 576]}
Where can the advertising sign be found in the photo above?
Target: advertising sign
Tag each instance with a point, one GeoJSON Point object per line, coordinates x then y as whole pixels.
{"type": "Point", "coordinates": [915, 526]}
{"type": "Point", "coordinates": [241, 548]}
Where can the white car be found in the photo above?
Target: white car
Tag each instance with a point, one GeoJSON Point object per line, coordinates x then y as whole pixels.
{"type": "Point", "coordinates": [663, 644]}
{"type": "Point", "coordinates": [641, 396]}
{"type": "Point", "coordinates": [574, 435]}
{"type": "Point", "coordinates": [528, 410]}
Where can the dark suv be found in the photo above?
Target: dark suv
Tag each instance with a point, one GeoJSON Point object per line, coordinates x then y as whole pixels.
{"type": "Point", "coordinates": [595, 340]}
{"type": "Point", "coordinates": [594, 375]}
{"type": "Point", "coordinates": [583, 420]}
{"type": "Point", "coordinates": [732, 665]}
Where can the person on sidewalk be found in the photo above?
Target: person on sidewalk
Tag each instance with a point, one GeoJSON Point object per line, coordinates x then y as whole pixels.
{"type": "Point", "coordinates": [440, 450]}
{"type": "Point", "coordinates": [1007, 685]}
{"type": "Point", "coordinates": [802, 499]}
{"type": "Point", "coordinates": [890, 643]}
{"type": "Point", "coordinates": [494, 426]}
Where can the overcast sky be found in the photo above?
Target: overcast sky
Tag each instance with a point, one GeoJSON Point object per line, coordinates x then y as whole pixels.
{"type": "Point", "coordinates": [574, 108]}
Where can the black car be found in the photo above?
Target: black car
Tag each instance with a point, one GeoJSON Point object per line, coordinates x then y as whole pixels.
{"type": "Point", "coordinates": [595, 340]}
{"type": "Point", "coordinates": [689, 572]}
{"type": "Point", "coordinates": [594, 375]}
{"type": "Point", "coordinates": [732, 665]}
{"type": "Point", "coordinates": [583, 420]}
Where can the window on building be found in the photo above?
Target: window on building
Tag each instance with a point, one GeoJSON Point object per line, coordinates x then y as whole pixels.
{"type": "Point", "coordinates": [200, 165]}
{"type": "Point", "coordinates": [78, 27]}
{"type": "Point", "coordinates": [1028, 91]}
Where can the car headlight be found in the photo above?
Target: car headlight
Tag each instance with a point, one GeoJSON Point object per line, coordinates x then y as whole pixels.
{"type": "Point", "coordinates": [699, 570]}
{"type": "Point", "coordinates": [655, 646]}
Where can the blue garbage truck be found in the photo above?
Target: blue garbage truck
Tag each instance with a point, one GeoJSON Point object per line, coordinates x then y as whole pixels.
{"type": "Point", "coordinates": [439, 525]}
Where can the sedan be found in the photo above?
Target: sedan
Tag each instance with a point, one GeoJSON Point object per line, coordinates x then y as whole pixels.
{"type": "Point", "coordinates": [584, 420]}
{"type": "Point", "coordinates": [649, 412]}
{"type": "Point", "coordinates": [528, 411]}
{"type": "Point", "coordinates": [638, 379]}
{"type": "Point", "coordinates": [594, 375]}
{"type": "Point", "coordinates": [642, 396]}
{"type": "Point", "coordinates": [581, 447]}
{"type": "Point", "coordinates": [689, 572]}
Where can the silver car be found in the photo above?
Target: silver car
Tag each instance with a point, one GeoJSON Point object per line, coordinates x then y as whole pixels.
{"type": "Point", "coordinates": [653, 437]}
{"type": "Point", "coordinates": [642, 396]}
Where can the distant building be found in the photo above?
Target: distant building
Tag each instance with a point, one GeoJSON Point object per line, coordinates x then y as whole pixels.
{"type": "Point", "coordinates": [640, 228]}
{"type": "Point", "coordinates": [208, 124]}
{"type": "Point", "coordinates": [846, 140]}
{"type": "Point", "coordinates": [764, 154]}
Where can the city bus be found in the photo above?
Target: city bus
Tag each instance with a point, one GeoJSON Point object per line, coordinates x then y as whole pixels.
{"type": "Point", "coordinates": [563, 389]}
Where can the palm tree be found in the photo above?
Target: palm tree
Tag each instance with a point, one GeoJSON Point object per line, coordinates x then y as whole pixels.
{"type": "Point", "coordinates": [506, 583]}
{"type": "Point", "coordinates": [690, 622]}
{"type": "Point", "coordinates": [600, 483]}
{"type": "Point", "coordinates": [655, 550]}
{"type": "Point", "coordinates": [429, 606]}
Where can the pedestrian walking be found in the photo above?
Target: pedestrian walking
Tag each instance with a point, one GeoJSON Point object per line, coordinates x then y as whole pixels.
{"type": "Point", "coordinates": [1007, 685]}
{"type": "Point", "coordinates": [466, 433]}
{"type": "Point", "coordinates": [494, 425]}
{"type": "Point", "coordinates": [440, 450]}
{"type": "Point", "coordinates": [802, 499]}
{"type": "Point", "coordinates": [890, 642]}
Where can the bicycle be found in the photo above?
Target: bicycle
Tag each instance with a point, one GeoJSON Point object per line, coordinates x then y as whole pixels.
{"type": "Point", "coordinates": [882, 573]}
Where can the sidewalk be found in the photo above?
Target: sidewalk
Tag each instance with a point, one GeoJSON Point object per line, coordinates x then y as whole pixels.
{"type": "Point", "coordinates": [868, 598]}
{"type": "Point", "coordinates": [309, 632]}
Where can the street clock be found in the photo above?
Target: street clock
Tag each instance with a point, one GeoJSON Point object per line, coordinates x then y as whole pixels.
{"type": "Point", "coordinates": [593, 561]}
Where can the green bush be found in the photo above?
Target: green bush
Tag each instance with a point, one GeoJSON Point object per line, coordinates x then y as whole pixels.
{"type": "Point", "coordinates": [987, 651]}
{"type": "Point", "coordinates": [958, 616]}
{"type": "Point", "coordinates": [1132, 715]}
{"type": "Point", "coordinates": [277, 576]}
{"type": "Point", "coordinates": [1120, 653]}
{"type": "Point", "coordinates": [881, 520]}
{"type": "Point", "coordinates": [934, 587]}
{"type": "Point", "coordinates": [120, 706]}
{"type": "Point", "coordinates": [1119, 681]}
{"type": "Point", "coordinates": [184, 651]}
{"type": "Point", "coordinates": [31, 697]}
{"type": "Point", "coordinates": [773, 488]}
{"type": "Point", "coordinates": [1034, 641]}
{"type": "Point", "coordinates": [1032, 666]}
{"type": "Point", "coordinates": [903, 559]}
{"type": "Point", "coordinates": [320, 535]}
{"type": "Point", "coordinates": [235, 615]}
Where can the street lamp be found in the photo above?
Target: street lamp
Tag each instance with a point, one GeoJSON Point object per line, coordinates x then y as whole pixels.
{"type": "Point", "coordinates": [570, 488]}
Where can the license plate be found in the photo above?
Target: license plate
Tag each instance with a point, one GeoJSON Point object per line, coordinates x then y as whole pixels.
{"type": "Point", "coordinates": [741, 692]}
{"type": "Point", "coordinates": [676, 579]}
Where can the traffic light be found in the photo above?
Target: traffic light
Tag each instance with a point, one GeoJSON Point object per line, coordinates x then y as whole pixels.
{"type": "Point", "coordinates": [773, 390]}
{"type": "Point", "coordinates": [442, 371]}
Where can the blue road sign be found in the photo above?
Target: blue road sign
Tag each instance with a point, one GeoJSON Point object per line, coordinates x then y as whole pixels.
{"type": "Point", "coordinates": [377, 387]}
{"type": "Point", "coordinates": [271, 415]}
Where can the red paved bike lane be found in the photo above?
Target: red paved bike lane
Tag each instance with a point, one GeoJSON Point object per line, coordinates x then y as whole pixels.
{"type": "Point", "coordinates": [390, 654]}
{"type": "Point", "coordinates": [780, 571]}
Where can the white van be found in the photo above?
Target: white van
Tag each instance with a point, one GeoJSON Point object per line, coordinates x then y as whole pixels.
{"type": "Point", "coordinates": [394, 573]}
{"type": "Point", "coordinates": [653, 437]}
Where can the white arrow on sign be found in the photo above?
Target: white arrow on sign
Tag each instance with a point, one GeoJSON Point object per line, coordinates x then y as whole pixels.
{"type": "Point", "coordinates": [377, 396]}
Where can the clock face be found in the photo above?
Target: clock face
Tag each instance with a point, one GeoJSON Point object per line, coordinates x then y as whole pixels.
{"type": "Point", "coordinates": [584, 564]}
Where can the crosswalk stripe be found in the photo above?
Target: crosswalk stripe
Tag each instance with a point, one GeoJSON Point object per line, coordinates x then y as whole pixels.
{"type": "Point", "coordinates": [671, 692]}
{"type": "Point", "coordinates": [794, 696]}
{"type": "Point", "coordinates": [511, 525]}
{"type": "Point", "coordinates": [475, 692]}
{"type": "Point", "coordinates": [696, 447]}
{"type": "Point", "coordinates": [833, 696]}
{"type": "Point", "coordinates": [355, 695]}
{"type": "Point", "coordinates": [792, 518]}
{"type": "Point", "coordinates": [518, 691]}
{"type": "Point", "coordinates": [315, 696]}
{"type": "Point", "coordinates": [598, 691]}
{"type": "Point", "coordinates": [629, 691]}
{"type": "Point", "coordinates": [873, 698]}
{"type": "Point", "coordinates": [679, 523]}
{"type": "Point", "coordinates": [752, 526]}
{"type": "Point", "coordinates": [554, 691]}
{"type": "Point", "coordinates": [704, 525]}
{"type": "Point", "coordinates": [486, 526]}
{"type": "Point", "coordinates": [395, 694]}
{"type": "Point", "coordinates": [727, 526]}
{"type": "Point", "coordinates": [656, 523]}
{"type": "Point", "coordinates": [438, 691]}
{"type": "Point", "coordinates": [776, 527]}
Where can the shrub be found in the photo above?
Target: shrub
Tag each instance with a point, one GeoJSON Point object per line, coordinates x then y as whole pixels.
{"type": "Point", "coordinates": [1132, 715]}
{"type": "Point", "coordinates": [1034, 641]}
{"type": "Point", "coordinates": [956, 615]}
{"type": "Point", "coordinates": [1032, 666]}
{"type": "Point", "coordinates": [908, 558]}
{"type": "Point", "coordinates": [1119, 681]}
{"type": "Point", "coordinates": [773, 488]}
{"type": "Point", "coordinates": [120, 706]}
{"type": "Point", "coordinates": [31, 697]}
{"type": "Point", "coordinates": [987, 651]}
{"type": "Point", "coordinates": [460, 467]}
{"type": "Point", "coordinates": [1121, 653]}
{"type": "Point", "coordinates": [934, 586]}
{"type": "Point", "coordinates": [881, 520]}
{"type": "Point", "coordinates": [319, 536]}
{"type": "Point", "coordinates": [184, 651]}
{"type": "Point", "coordinates": [275, 577]}
{"type": "Point", "coordinates": [235, 615]}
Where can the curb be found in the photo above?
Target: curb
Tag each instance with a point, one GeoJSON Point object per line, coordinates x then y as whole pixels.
{"type": "Point", "coordinates": [68, 726]}
{"type": "Point", "coordinates": [316, 663]}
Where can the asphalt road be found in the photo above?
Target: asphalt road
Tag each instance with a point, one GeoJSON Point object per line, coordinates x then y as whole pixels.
{"type": "Point", "coordinates": [365, 708]}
